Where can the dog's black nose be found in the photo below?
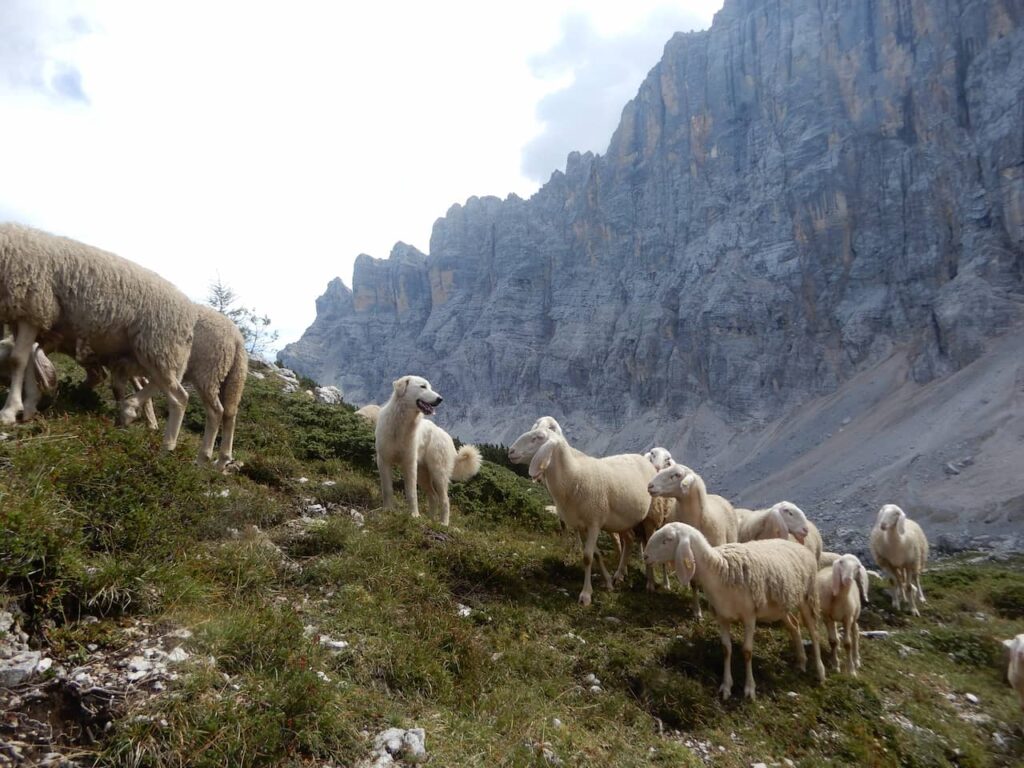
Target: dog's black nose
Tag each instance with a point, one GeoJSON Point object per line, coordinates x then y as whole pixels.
{"type": "Point", "coordinates": [439, 400]}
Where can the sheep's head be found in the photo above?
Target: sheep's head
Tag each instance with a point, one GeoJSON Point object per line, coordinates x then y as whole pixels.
{"type": "Point", "coordinates": [794, 519]}
{"type": "Point", "coordinates": [660, 458]}
{"type": "Point", "coordinates": [671, 480]}
{"type": "Point", "coordinates": [673, 543]}
{"type": "Point", "coordinates": [534, 447]}
{"type": "Point", "coordinates": [848, 570]}
{"type": "Point", "coordinates": [890, 516]}
{"type": "Point", "coordinates": [548, 423]}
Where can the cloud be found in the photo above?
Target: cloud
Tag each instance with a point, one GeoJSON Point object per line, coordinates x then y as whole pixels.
{"type": "Point", "coordinates": [606, 73]}
{"type": "Point", "coordinates": [31, 34]}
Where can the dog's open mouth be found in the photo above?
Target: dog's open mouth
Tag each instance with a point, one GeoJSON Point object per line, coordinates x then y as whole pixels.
{"type": "Point", "coordinates": [425, 407]}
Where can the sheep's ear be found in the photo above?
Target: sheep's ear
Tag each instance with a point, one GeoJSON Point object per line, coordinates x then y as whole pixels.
{"type": "Point", "coordinates": [686, 481]}
{"type": "Point", "coordinates": [45, 373]}
{"type": "Point", "coordinates": [776, 525]}
{"type": "Point", "coordinates": [541, 459]}
{"type": "Point", "coordinates": [837, 578]}
{"type": "Point", "coordinates": [901, 523]}
{"type": "Point", "coordinates": [400, 385]}
{"type": "Point", "coordinates": [862, 582]}
{"type": "Point", "coordinates": [685, 566]}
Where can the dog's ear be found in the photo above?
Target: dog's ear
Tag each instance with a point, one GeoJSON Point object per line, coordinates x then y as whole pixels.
{"type": "Point", "coordinates": [401, 385]}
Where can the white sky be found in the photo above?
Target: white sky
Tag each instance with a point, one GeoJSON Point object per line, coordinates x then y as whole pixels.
{"type": "Point", "coordinates": [271, 143]}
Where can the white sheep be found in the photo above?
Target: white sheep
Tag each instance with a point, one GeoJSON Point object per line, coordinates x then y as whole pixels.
{"type": "Point", "coordinates": [369, 412]}
{"type": "Point", "coordinates": [693, 505]}
{"type": "Point", "coordinates": [42, 381]}
{"type": "Point", "coordinates": [759, 524]}
{"type": "Point", "coordinates": [842, 589]}
{"type": "Point", "coordinates": [800, 528]}
{"type": "Point", "coordinates": [1015, 669]}
{"type": "Point", "coordinates": [900, 548]}
{"type": "Point", "coordinates": [218, 366]}
{"type": "Point", "coordinates": [827, 558]}
{"type": "Point", "coordinates": [591, 494]}
{"type": "Point", "coordinates": [770, 580]}
{"type": "Point", "coordinates": [53, 288]}
{"type": "Point", "coordinates": [659, 457]}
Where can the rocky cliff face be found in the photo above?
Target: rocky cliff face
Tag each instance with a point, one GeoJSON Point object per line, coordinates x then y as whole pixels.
{"type": "Point", "coordinates": [797, 196]}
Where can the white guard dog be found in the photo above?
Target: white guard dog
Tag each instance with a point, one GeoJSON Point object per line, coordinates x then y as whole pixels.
{"type": "Point", "coordinates": [424, 451]}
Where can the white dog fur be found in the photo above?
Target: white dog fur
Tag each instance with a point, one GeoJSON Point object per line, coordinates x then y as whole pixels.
{"type": "Point", "coordinates": [425, 453]}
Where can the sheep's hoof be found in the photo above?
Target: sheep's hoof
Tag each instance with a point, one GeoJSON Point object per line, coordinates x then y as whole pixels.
{"type": "Point", "coordinates": [725, 691]}
{"type": "Point", "coordinates": [6, 417]}
{"type": "Point", "coordinates": [749, 693]}
{"type": "Point", "coordinates": [584, 598]}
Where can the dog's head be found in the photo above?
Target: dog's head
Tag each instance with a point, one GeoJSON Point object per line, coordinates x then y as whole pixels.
{"type": "Point", "coordinates": [416, 390]}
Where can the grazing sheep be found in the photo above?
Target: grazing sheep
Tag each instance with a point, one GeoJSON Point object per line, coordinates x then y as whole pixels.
{"type": "Point", "coordinates": [591, 494]}
{"type": "Point", "coordinates": [660, 458]}
{"type": "Point", "coordinates": [755, 525]}
{"type": "Point", "coordinates": [842, 589]}
{"type": "Point", "coordinates": [827, 558]}
{"type": "Point", "coordinates": [218, 366]}
{"type": "Point", "coordinates": [708, 513]}
{"type": "Point", "coordinates": [759, 580]}
{"type": "Point", "coordinates": [1015, 670]}
{"type": "Point", "coordinates": [42, 381]}
{"type": "Point", "coordinates": [369, 412]}
{"type": "Point", "coordinates": [900, 548]}
{"type": "Point", "coordinates": [424, 451]}
{"type": "Point", "coordinates": [54, 288]}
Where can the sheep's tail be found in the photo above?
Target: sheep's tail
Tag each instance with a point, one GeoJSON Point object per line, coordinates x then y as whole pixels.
{"type": "Point", "coordinates": [467, 463]}
{"type": "Point", "coordinates": [45, 372]}
{"type": "Point", "coordinates": [234, 382]}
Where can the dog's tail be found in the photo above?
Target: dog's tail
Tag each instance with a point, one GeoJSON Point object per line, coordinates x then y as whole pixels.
{"type": "Point", "coordinates": [467, 463]}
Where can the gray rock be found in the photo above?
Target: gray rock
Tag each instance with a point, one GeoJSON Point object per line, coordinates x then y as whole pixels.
{"type": "Point", "coordinates": [19, 668]}
{"type": "Point", "coordinates": [330, 395]}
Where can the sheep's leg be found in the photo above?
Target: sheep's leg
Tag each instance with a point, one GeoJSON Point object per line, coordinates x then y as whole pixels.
{"type": "Point", "coordinates": [177, 400]}
{"type": "Point", "coordinates": [589, 546]}
{"type": "Point", "coordinates": [147, 409]}
{"type": "Point", "coordinates": [793, 627]}
{"type": "Point", "coordinates": [214, 416]}
{"type": "Point", "coordinates": [119, 386]}
{"type": "Point", "coordinates": [409, 470]}
{"type": "Point", "coordinates": [227, 442]}
{"type": "Point", "coordinates": [833, 644]}
{"type": "Point", "coordinates": [24, 338]}
{"type": "Point", "coordinates": [811, 620]}
{"type": "Point", "coordinates": [627, 545]}
{"type": "Point", "coordinates": [849, 628]}
{"type": "Point", "coordinates": [600, 564]}
{"type": "Point", "coordinates": [855, 630]}
{"type": "Point", "coordinates": [917, 583]}
{"type": "Point", "coordinates": [696, 601]}
{"type": "Point", "coordinates": [725, 689]}
{"type": "Point", "coordinates": [387, 489]}
{"type": "Point", "coordinates": [32, 395]}
{"type": "Point", "coordinates": [911, 594]}
{"type": "Point", "coordinates": [897, 589]}
{"type": "Point", "coordinates": [749, 624]}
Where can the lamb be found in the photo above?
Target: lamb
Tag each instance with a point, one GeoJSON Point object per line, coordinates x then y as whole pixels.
{"type": "Point", "coordinates": [709, 513]}
{"type": "Point", "coordinates": [900, 548]}
{"type": "Point", "coordinates": [767, 580]}
{"type": "Point", "coordinates": [659, 457]}
{"type": "Point", "coordinates": [1015, 670]}
{"type": "Point", "coordinates": [842, 589]}
{"type": "Point", "coordinates": [54, 288]}
{"type": "Point", "coordinates": [591, 494]}
{"type": "Point", "coordinates": [218, 366]}
{"type": "Point", "coordinates": [370, 411]}
{"type": "Point", "coordinates": [425, 452]}
{"type": "Point", "coordinates": [42, 381]}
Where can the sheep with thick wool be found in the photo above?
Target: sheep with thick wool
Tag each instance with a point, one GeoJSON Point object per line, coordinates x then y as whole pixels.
{"type": "Point", "coordinates": [842, 590]}
{"type": "Point", "coordinates": [218, 366]}
{"type": "Point", "coordinates": [769, 580]}
{"type": "Point", "coordinates": [54, 288]}
{"type": "Point", "coordinates": [370, 411]}
{"type": "Point", "coordinates": [591, 494]}
{"type": "Point", "coordinates": [692, 504]}
{"type": "Point", "coordinates": [1015, 669]}
{"type": "Point", "coordinates": [900, 548]}
{"type": "Point", "coordinates": [41, 381]}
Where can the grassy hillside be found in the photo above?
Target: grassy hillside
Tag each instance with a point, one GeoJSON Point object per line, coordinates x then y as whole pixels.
{"type": "Point", "coordinates": [471, 633]}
